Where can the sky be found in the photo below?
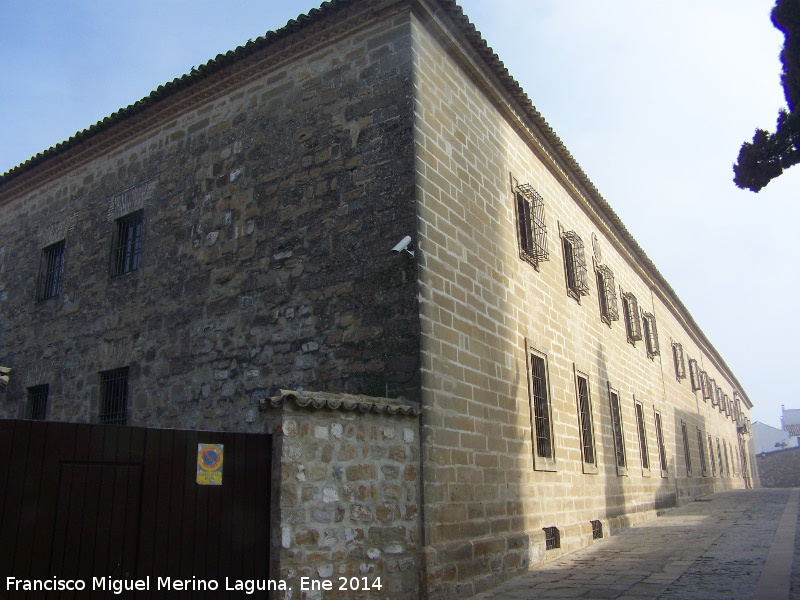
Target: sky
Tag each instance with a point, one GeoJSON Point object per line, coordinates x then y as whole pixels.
{"type": "Point", "coordinates": [653, 99]}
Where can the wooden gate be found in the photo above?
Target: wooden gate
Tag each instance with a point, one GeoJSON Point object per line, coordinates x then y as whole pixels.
{"type": "Point", "coordinates": [79, 502]}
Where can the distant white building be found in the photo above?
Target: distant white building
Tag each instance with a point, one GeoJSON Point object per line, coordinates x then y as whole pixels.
{"type": "Point", "coordinates": [790, 421]}
{"type": "Point", "coordinates": [769, 439]}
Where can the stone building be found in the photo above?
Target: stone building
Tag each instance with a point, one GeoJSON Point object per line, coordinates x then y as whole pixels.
{"type": "Point", "coordinates": [521, 381]}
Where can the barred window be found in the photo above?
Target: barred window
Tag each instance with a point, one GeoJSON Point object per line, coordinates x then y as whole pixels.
{"type": "Point", "coordinates": [552, 538]}
{"type": "Point", "coordinates": [706, 383]}
{"type": "Point", "coordinates": [711, 456]}
{"type": "Point", "coordinates": [607, 294]}
{"type": "Point", "coordinates": [727, 464]}
{"type": "Point", "coordinates": [642, 436]}
{"type": "Point", "coordinates": [719, 455]}
{"type": "Point", "coordinates": [677, 356]}
{"type": "Point", "coordinates": [701, 447]}
{"type": "Point", "coordinates": [650, 334]}
{"type": "Point", "coordinates": [630, 306]}
{"type": "Point", "coordinates": [575, 265]}
{"type": "Point", "coordinates": [585, 418]}
{"type": "Point", "coordinates": [51, 267]}
{"type": "Point", "coordinates": [531, 228]}
{"type": "Point", "coordinates": [616, 425]}
{"type": "Point", "coordinates": [694, 375]}
{"type": "Point", "coordinates": [127, 244]}
{"type": "Point", "coordinates": [662, 452]}
{"type": "Point", "coordinates": [36, 402]}
{"type": "Point", "coordinates": [686, 454]}
{"type": "Point", "coordinates": [114, 397]}
{"type": "Point", "coordinates": [541, 426]}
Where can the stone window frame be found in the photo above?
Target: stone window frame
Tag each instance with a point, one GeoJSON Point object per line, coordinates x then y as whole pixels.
{"type": "Point", "coordinates": [630, 308]}
{"type": "Point", "coordinates": [678, 359]}
{"type": "Point", "coordinates": [662, 450]}
{"type": "Point", "coordinates": [575, 269]}
{"type": "Point", "coordinates": [531, 225]}
{"type": "Point", "coordinates": [650, 334]}
{"type": "Point", "coordinates": [540, 424]}
{"type": "Point", "coordinates": [700, 447]}
{"type": "Point", "coordinates": [687, 453]}
{"type": "Point", "coordinates": [641, 429]}
{"type": "Point", "coordinates": [51, 271]}
{"type": "Point", "coordinates": [706, 385]}
{"type": "Point", "coordinates": [606, 294]}
{"type": "Point", "coordinates": [113, 396]}
{"type": "Point", "coordinates": [694, 375]}
{"type": "Point", "coordinates": [36, 402]}
{"type": "Point", "coordinates": [617, 431]}
{"type": "Point", "coordinates": [588, 446]}
{"type": "Point", "coordinates": [126, 243]}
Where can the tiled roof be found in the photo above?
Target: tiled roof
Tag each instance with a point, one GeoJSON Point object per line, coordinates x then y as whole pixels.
{"type": "Point", "coordinates": [346, 402]}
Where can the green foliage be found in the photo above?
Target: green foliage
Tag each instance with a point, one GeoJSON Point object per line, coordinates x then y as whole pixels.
{"type": "Point", "coordinates": [769, 154]}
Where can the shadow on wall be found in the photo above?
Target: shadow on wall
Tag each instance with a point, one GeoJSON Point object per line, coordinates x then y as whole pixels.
{"type": "Point", "coordinates": [780, 468]}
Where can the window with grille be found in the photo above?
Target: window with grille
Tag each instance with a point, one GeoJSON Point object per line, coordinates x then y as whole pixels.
{"type": "Point", "coordinates": [701, 447]}
{"type": "Point", "coordinates": [708, 391]}
{"type": "Point", "coordinates": [727, 464]}
{"type": "Point", "coordinates": [607, 294]}
{"type": "Point", "coordinates": [552, 538]}
{"type": "Point", "coordinates": [686, 454]}
{"type": "Point", "coordinates": [711, 456]}
{"type": "Point", "coordinates": [585, 417]}
{"type": "Point", "coordinates": [36, 402]}
{"type": "Point", "coordinates": [531, 228]}
{"type": "Point", "coordinates": [677, 357]}
{"type": "Point", "coordinates": [597, 530]}
{"type": "Point", "coordinates": [616, 425]}
{"type": "Point", "coordinates": [541, 426]}
{"type": "Point", "coordinates": [127, 244]}
{"type": "Point", "coordinates": [575, 265]}
{"type": "Point", "coordinates": [114, 397]}
{"type": "Point", "coordinates": [630, 306]}
{"type": "Point", "coordinates": [694, 375]}
{"type": "Point", "coordinates": [650, 334]}
{"type": "Point", "coordinates": [719, 455]}
{"type": "Point", "coordinates": [642, 436]}
{"type": "Point", "coordinates": [662, 451]}
{"type": "Point", "coordinates": [51, 267]}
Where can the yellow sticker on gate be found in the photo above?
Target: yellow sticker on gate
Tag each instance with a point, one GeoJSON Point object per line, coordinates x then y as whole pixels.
{"type": "Point", "coordinates": [209, 464]}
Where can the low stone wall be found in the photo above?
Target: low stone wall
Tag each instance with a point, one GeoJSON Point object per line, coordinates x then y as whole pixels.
{"type": "Point", "coordinates": [780, 468]}
{"type": "Point", "coordinates": [349, 506]}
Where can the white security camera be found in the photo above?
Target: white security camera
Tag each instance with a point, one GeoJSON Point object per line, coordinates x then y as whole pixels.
{"type": "Point", "coordinates": [403, 245]}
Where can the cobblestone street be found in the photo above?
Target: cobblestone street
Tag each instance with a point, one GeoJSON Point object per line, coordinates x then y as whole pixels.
{"type": "Point", "coordinates": [728, 546]}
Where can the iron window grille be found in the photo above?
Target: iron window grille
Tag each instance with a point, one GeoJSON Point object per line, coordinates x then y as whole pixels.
{"type": "Point", "coordinates": [727, 464]}
{"type": "Point", "coordinates": [630, 306]}
{"type": "Point", "coordinates": [719, 455]}
{"type": "Point", "coordinates": [127, 244]}
{"type": "Point", "coordinates": [700, 446]}
{"type": "Point", "coordinates": [552, 538]}
{"type": "Point", "coordinates": [531, 227]}
{"type": "Point", "coordinates": [680, 365]}
{"type": "Point", "coordinates": [540, 409]}
{"type": "Point", "coordinates": [650, 334]}
{"type": "Point", "coordinates": [114, 397]}
{"type": "Point", "coordinates": [662, 452]}
{"type": "Point", "coordinates": [585, 414]}
{"type": "Point", "coordinates": [607, 294]}
{"type": "Point", "coordinates": [616, 424]}
{"type": "Point", "coordinates": [694, 375]}
{"type": "Point", "coordinates": [597, 529]}
{"type": "Point", "coordinates": [51, 267]}
{"type": "Point", "coordinates": [686, 454]}
{"type": "Point", "coordinates": [642, 436]}
{"type": "Point", "coordinates": [713, 391]}
{"type": "Point", "coordinates": [36, 402]}
{"type": "Point", "coordinates": [575, 265]}
{"type": "Point", "coordinates": [711, 456]}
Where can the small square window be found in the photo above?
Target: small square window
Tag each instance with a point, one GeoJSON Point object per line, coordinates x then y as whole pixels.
{"type": "Point", "coordinates": [531, 228]}
{"type": "Point", "coordinates": [597, 530]}
{"type": "Point", "coordinates": [680, 365]}
{"type": "Point", "coordinates": [607, 294]}
{"type": "Point", "coordinates": [552, 538]}
{"type": "Point", "coordinates": [650, 334]}
{"type": "Point", "coordinates": [114, 397]}
{"type": "Point", "coordinates": [630, 306]}
{"type": "Point", "coordinates": [575, 265]}
{"type": "Point", "coordinates": [36, 402]}
{"type": "Point", "coordinates": [51, 267]}
{"type": "Point", "coordinates": [127, 244]}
